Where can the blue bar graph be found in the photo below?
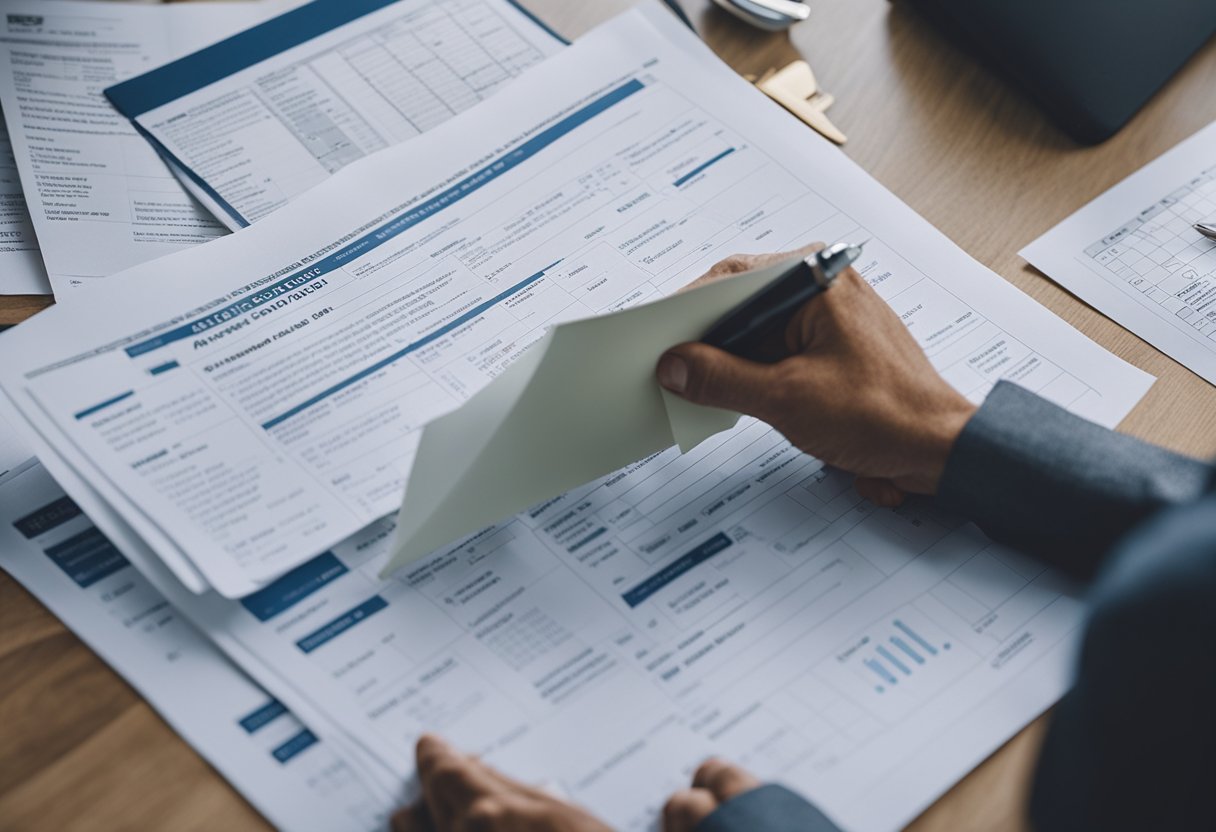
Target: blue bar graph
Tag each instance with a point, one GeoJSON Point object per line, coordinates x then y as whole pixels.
{"type": "Point", "coordinates": [908, 651]}
{"type": "Point", "coordinates": [882, 671]}
{"type": "Point", "coordinates": [915, 636]}
{"type": "Point", "coordinates": [886, 654]}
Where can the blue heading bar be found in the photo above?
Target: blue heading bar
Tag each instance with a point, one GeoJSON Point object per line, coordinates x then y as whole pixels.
{"type": "Point", "coordinates": [170, 82]}
{"type": "Point", "coordinates": [244, 49]}
{"type": "Point", "coordinates": [459, 321]}
{"type": "Point", "coordinates": [341, 624]}
{"type": "Point", "coordinates": [89, 411]}
{"type": "Point", "coordinates": [87, 557]}
{"type": "Point", "coordinates": [263, 716]}
{"type": "Point", "coordinates": [48, 517]}
{"type": "Point", "coordinates": [294, 587]}
{"type": "Point", "coordinates": [391, 229]}
{"type": "Point", "coordinates": [675, 569]}
{"type": "Point", "coordinates": [304, 739]}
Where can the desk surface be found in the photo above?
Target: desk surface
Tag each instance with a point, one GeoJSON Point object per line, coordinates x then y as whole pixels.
{"type": "Point", "coordinates": [81, 750]}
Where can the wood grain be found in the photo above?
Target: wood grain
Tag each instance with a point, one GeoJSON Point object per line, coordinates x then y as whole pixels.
{"type": "Point", "coordinates": [81, 750]}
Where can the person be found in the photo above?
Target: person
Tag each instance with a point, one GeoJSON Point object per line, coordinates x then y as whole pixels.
{"type": "Point", "coordinates": [1133, 743]}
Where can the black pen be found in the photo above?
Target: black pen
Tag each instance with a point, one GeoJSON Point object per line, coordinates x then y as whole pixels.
{"type": "Point", "coordinates": [748, 330]}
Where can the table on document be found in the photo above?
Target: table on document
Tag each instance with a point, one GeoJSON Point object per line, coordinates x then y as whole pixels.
{"type": "Point", "coordinates": [1134, 253]}
{"type": "Point", "coordinates": [1159, 253]}
{"type": "Point", "coordinates": [271, 127]}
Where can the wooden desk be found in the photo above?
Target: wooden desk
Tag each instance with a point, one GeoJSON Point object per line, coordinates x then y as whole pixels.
{"type": "Point", "coordinates": [80, 750]}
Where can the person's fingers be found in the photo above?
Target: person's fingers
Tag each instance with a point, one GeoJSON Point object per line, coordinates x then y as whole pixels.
{"type": "Point", "coordinates": [724, 780]}
{"type": "Point", "coordinates": [880, 492]}
{"type": "Point", "coordinates": [491, 813]}
{"type": "Point", "coordinates": [687, 808]}
{"type": "Point", "coordinates": [450, 780]}
{"type": "Point", "coordinates": [739, 263]}
{"type": "Point", "coordinates": [710, 376]}
{"type": "Point", "coordinates": [820, 316]}
{"type": "Point", "coordinates": [509, 784]}
{"type": "Point", "coordinates": [413, 818]}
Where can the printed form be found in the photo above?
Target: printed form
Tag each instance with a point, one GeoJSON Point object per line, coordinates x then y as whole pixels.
{"type": "Point", "coordinates": [246, 407]}
{"type": "Point", "coordinates": [1134, 254]}
{"type": "Point", "coordinates": [279, 764]}
{"type": "Point", "coordinates": [258, 119]}
{"type": "Point", "coordinates": [739, 599]}
{"type": "Point", "coordinates": [21, 270]}
{"type": "Point", "coordinates": [100, 198]}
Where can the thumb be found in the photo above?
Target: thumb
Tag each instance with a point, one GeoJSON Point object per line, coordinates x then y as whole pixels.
{"type": "Point", "coordinates": [707, 375]}
{"type": "Point", "coordinates": [880, 491]}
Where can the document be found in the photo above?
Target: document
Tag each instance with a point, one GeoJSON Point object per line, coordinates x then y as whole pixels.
{"type": "Point", "coordinates": [21, 271]}
{"type": "Point", "coordinates": [738, 599]}
{"type": "Point", "coordinates": [257, 119]}
{"type": "Point", "coordinates": [1134, 255]}
{"type": "Point", "coordinates": [539, 430]}
{"type": "Point", "coordinates": [100, 198]}
{"type": "Point", "coordinates": [296, 780]}
{"type": "Point", "coordinates": [248, 406]}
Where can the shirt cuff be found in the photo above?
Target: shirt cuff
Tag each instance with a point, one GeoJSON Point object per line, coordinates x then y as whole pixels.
{"type": "Point", "coordinates": [769, 808]}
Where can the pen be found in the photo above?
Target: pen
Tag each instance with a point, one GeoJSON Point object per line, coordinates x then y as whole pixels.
{"type": "Point", "coordinates": [748, 330]}
{"type": "Point", "coordinates": [1207, 229]}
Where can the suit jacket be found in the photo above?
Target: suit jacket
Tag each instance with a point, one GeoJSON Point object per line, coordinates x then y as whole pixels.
{"type": "Point", "coordinates": [1133, 745]}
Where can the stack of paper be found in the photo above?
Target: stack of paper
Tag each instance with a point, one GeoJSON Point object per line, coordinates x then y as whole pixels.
{"type": "Point", "coordinates": [280, 764]}
{"type": "Point", "coordinates": [239, 419]}
{"type": "Point", "coordinates": [21, 271]}
{"type": "Point", "coordinates": [309, 90]}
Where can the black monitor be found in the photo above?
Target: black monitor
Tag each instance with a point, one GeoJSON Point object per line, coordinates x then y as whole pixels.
{"type": "Point", "coordinates": [1090, 64]}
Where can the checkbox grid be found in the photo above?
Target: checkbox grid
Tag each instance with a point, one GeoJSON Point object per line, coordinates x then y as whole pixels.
{"type": "Point", "coordinates": [1159, 254]}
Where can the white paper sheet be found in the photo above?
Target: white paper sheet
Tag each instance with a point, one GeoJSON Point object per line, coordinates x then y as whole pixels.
{"type": "Point", "coordinates": [738, 599]}
{"type": "Point", "coordinates": [295, 779]}
{"type": "Point", "coordinates": [609, 641]}
{"type": "Point", "coordinates": [1134, 255]}
{"type": "Point", "coordinates": [540, 428]}
{"type": "Point", "coordinates": [100, 197]}
{"type": "Point", "coordinates": [259, 131]}
{"type": "Point", "coordinates": [21, 271]}
{"type": "Point", "coordinates": [247, 406]}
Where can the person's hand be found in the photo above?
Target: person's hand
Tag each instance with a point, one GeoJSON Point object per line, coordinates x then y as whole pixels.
{"type": "Point", "coordinates": [856, 390]}
{"type": "Point", "coordinates": [462, 794]}
{"type": "Point", "coordinates": [714, 783]}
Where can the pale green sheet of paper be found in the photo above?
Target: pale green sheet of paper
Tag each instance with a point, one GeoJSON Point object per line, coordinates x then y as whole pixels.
{"type": "Point", "coordinates": [580, 404]}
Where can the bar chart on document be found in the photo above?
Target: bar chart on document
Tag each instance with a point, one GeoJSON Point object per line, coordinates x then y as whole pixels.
{"type": "Point", "coordinates": [738, 599]}
{"type": "Point", "coordinates": [735, 611]}
{"type": "Point", "coordinates": [790, 547]}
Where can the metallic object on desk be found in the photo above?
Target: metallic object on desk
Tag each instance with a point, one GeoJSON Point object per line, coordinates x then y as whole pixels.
{"type": "Point", "coordinates": [796, 89]}
{"type": "Point", "coordinates": [771, 15]}
{"type": "Point", "coordinates": [1207, 229]}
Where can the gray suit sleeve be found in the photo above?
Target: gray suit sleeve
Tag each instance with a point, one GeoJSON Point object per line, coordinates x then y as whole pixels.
{"type": "Point", "coordinates": [1034, 476]}
{"type": "Point", "coordinates": [769, 808]}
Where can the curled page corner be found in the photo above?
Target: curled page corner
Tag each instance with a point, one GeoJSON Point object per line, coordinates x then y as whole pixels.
{"type": "Point", "coordinates": [578, 405]}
